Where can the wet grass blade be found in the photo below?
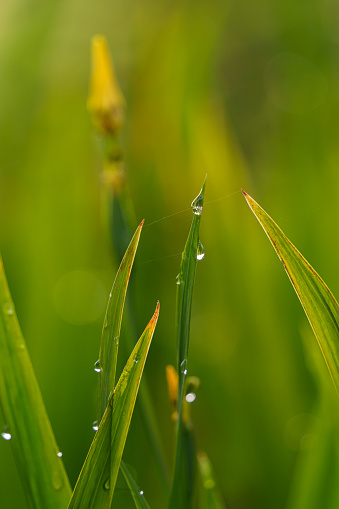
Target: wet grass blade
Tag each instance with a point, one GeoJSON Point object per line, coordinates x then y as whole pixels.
{"type": "Point", "coordinates": [137, 494]}
{"type": "Point", "coordinates": [319, 304]}
{"type": "Point", "coordinates": [182, 485]}
{"type": "Point", "coordinates": [210, 497]}
{"type": "Point", "coordinates": [96, 483]}
{"type": "Point", "coordinates": [112, 324]}
{"type": "Point", "coordinates": [35, 450]}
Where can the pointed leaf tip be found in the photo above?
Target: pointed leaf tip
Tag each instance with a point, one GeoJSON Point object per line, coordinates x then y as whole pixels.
{"type": "Point", "coordinates": [244, 193]}
{"type": "Point", "coordinates": [142, 223]}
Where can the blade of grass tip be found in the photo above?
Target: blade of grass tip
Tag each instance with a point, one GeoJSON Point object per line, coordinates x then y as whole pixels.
{"type": "Point", "coordinates": [319, 304]}
{"type": "Point", "coordinates": [210, 497]}
{"type": "Point", "coordinates": [136, 492]}
{"type": "Point", "coordinates": [182, 481]}
{"type": "Point", "coordinates": [35, 450]}
{"type": "Point", "coordinates": [96, 483]}
{"type": "Point", "coordinates": [106, 365]}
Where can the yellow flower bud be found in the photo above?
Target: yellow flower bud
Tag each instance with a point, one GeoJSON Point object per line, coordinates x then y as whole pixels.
{"type": "Point", "coordinates": [105, 100]}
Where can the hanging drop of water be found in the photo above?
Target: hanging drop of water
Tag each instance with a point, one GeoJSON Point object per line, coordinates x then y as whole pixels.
{"type": "Point", "coordinates": [190, 397]}
{"type": "Point", "coordinates": [141, 492]}
{"type": "Point", "coordinates": [185, 371]}
{"type": "Point", "coordinates": [196, 205]}
{"type": "Point", "coordinates": [97, 367]}
{"type": "Point", "coordinates": [95, 426]}
{"type": "Point", "coordinates": [59, 454]}
{"type": "Point", "coordinates": [183, 365]}
{"type": "Point", "coordinates": [6, 434]}
{"type": "Point", "coordinates": [200, 251]}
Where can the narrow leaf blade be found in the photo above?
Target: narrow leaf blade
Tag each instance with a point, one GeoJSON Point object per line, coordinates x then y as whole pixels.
{"type": "Point", "coordinates": [319, 304]}
{"type": "Point", "coordinates": [182, 485]}
{"type": "Point", "coordinates": [137, 494]}
{"type": "Point", "coordinates": [35, 450]}
{"type": "Point", "coordinates": [96, 483]}
{"type": "Point", "coordinates": [112, 323]}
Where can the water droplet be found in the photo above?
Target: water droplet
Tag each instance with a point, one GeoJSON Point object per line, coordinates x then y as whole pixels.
{"type": "Point", "coordinates": [185, 371]}
{"type": "Point", "coordinates": [59, 454]}
{"type": "Point", "coordinates": [183, 366]}
{"type": "Point", "coordinates": [136, 361]}
{"type": "Point", "coordinates": [6, 434]}
{"type": "Point", "coordinates": [177, 279]}
{"type": "Point", "coordinates": [95, 426]}
{"type": "Point", "coordinates": [8, 308]}
{"type": "Point", "coordinates": [190, 397]}
{"type": "Point", "coordinates": [200, 251]}
{"type": "Point", "coordinates": [196, 205]}
{"type": "Point", "coordinates": [141, 492]}
{"type": "Point", "coordinates": [97, 367]}
{"type": "Point", "coordinates": [107, 484]}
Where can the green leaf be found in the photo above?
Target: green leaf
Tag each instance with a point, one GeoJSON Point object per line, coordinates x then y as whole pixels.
{"type": "Point", "coordinates": [209, 495]}
{"type": "Point", "coordinates": [182, 485]}
{"type": "Point", "coordinates": [112, 324]}
{"type": "Point", "coordinates": [137, 494]}
{"type": "Point", "coordinates": [96, 483]}
{"type": "Point", "coordinates": [319, 304]}
{"type": "Point", "coordinates": [35, 450]}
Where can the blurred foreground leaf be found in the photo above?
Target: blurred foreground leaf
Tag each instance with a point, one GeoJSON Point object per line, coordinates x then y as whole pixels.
{"type": "Point", "coordinates": [42, 472]}
{"type": "Point", "coordinates": [183, 479]}
{"type": "Point", "coordinates": [319, 304]}
{"type": "Point", "coordinates": [96, 483]}
{"type": "Point", "coordinates": [209, 496]}
{"type": "Point", "coordinates": [137, 494]}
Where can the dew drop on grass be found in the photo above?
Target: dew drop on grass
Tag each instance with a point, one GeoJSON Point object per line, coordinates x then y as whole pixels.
{"type": "Point", "coordinates": [185, 371]}
{"type": "Point", "coordinates": [97, 367]}
{"type": "Point", "coordinates": [177, 279]}
{"type": "Point", "coordinates": [95, 426]}
{"type": "Point", "coordinates": [141, 492]}
{"type": "Point", "coordinates": [196, 205]}
{"type": "Point", "coordinates": [59, 454]}
{"type": "Point", "coordinates": [183, 366]}
{"type": "Point", "coordinates": [200, 251]}
{"type": "Point", "coordinates": [8, 308]}
{"type": "Point", "coordinates": [136, 361]}
{"type": "Point", "coordinates": [190, 397]}
{"type": "Point", "coordinates": [6, 434]}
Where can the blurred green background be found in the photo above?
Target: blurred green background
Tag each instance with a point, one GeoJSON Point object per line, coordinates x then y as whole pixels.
{"type": "Point", "coordinates": [247, 92]}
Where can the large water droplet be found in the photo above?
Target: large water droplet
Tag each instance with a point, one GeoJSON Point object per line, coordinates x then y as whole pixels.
{"type": "Point", "coordinates": [190, 397]}
{"type": "Point", "coordinates": [196, 205]}
{"type": "Point", "coordinates": [97, 367]}
{"type": "Point", "coordinates": [141, 492]}
{"type": "Point", "coordinates": [200, 251]}
{"type": "Point", "coordinates": [95, 426]}
{"type": "Point", "coordinates": [59, 454]}
{"type": "Point", "coordinates": [6, 434]}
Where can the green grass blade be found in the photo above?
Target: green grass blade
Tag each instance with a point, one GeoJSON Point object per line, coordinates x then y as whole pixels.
{"type": "Point", "coordinates": [96, 483]}
{"type": "Point", "coordinates": [182, 480]}
{"type": "Point", "coordinates": [209, 495]}
{"type": "Point", "coordinates": [112, 324]}
{"type": "Point", "coordinates": [35, 450]}
{"type": "Point", "coordinates": [319, 304]}
{"type": "Point", "coordinates": [137, 494]}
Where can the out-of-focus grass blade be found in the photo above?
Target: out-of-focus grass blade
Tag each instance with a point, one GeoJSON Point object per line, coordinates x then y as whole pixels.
{"type": "Point", "coordinates": [209, 495]}
{"type": "Point", "coordinates": [112, 324]}
{"type": "Point", "coordinates": [319, 304]}
{"type": "Point", "coordinates": [96, 483]}
{"type": "Point", "coordinates": [41, 469]}
{"type": "Point", "coordinates": [182, 485]}
{"type": "Point", "coordinates": [137, 494]}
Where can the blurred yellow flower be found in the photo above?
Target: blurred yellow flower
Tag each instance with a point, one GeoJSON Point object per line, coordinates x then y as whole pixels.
{"type": "Point", "coordinates": [105, 100]}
